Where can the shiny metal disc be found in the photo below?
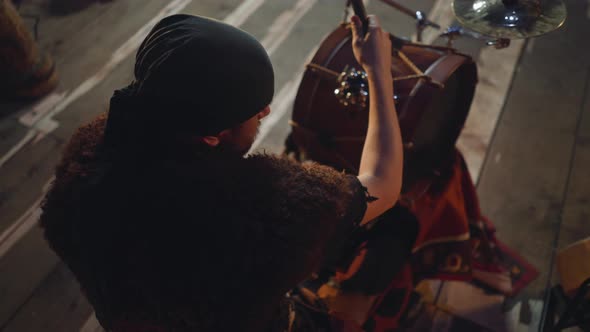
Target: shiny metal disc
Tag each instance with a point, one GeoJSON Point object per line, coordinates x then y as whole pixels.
{"type": "Point", "coordinates": [512, 19]}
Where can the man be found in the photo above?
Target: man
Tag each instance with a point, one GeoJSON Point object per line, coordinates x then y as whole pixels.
{"type": "Point", "coordinates": [168, 227]}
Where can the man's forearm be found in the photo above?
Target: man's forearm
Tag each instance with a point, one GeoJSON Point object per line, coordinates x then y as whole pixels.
{"type": "Point", "coordinates": [382, 156]}
{"type": "Point", "coordinates": [381, 165]}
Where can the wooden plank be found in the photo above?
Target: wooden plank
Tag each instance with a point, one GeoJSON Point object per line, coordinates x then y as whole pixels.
{"type": "Point", "coordinates": [94, 102]}
{"type": "Point", "coordinates": [22, 178]}
{"type": "Point", "coordinates": [524, 178]}
{"type": "Point", "coordinates": [11, 132]}
{"type": "Point", "coordinates": [576, 214]}
{"type": "Point", "coordinates": [55, 31]}
{"type": "Point", "coordinates": [56, 305]}
{"type": "Point", "coordinates": [495, 69]}
{"type": "Point", "coordinates": [523, 182]}
{"type": "Point", "coordinates": [22, 270]}
{"type": "Point", "coordinates": [575, 223]}
{"type": "Point", "coordinates": [83, 41]}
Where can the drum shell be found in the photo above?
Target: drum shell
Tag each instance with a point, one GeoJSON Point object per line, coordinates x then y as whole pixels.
{"type": "Point", "coordinates": [326, 131]}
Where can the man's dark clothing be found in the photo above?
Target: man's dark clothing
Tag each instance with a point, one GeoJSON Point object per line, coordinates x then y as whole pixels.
{"type": "Point", "coordinates": [196, 238]}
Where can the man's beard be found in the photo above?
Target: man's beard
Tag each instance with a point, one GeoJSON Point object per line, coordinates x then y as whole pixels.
{"type": "Point", "coordinates": [242, 148]}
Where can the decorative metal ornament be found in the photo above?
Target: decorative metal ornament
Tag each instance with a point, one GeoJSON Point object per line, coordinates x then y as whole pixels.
{"type": "Point", "coordinates": [352, 88]}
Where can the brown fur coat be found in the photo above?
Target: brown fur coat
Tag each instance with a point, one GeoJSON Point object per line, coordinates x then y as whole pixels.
{"type": "Point", "coordinates": [205, 241]}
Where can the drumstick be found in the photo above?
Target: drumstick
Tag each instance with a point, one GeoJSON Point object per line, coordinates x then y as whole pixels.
{"type": "Point", "coordinates": [361, 12]}
{"type": "Point", "coordinates": [409, 63]}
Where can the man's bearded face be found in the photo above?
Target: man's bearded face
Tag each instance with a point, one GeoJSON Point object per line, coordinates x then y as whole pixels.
{"type": "Point", "coordinates": [243, 135]}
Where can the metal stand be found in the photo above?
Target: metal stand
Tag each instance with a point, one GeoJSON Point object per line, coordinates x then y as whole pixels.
{"type": "Point", "coordinates": [454, 32]}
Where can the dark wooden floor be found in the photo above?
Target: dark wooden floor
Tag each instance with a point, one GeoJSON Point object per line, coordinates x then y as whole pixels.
{"type": "Point", "coordinates": [535, 193]}
{"type": "Point", "coordinates": [534, 183]}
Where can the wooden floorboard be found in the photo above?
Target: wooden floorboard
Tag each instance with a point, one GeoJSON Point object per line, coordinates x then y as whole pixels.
{"type": "Point", "coordinates": [575, 223]}
{"type": "Point", "coordinates": [82, 42]}
{"type": "Point", "coordinates": [23, 177]}
{"type": "Point", "coordinates": [523, 183]}
{"type": "Point", "coordinates": [523, 186]}
{"type": "Point", "coordinates": [11, 132]}
{"type": "Point", "coordinates": [22, 270]}
{"type": "Point", "coordinates": [57, 305]}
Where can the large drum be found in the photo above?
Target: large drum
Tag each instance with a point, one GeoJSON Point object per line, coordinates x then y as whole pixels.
{"type": "Point", "coordinates": [433, 88]}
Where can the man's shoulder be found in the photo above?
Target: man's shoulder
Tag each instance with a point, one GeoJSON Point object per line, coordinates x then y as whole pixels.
{"type": "Point", "coordinates": [296, 178]}
{"type": "Point", "coordinates": [88, 136]}
{"type": "Point", "coordinates": [307, 188]}
{"type": "Point", "coordinates": [290, 169]}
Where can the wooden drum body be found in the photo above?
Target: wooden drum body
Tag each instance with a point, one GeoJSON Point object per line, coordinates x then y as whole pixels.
{"type": "Point", "coordinates": [433, 89]}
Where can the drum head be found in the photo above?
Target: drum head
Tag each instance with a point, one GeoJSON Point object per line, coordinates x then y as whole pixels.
{"type": "Point", "coordinates": [440, 124]}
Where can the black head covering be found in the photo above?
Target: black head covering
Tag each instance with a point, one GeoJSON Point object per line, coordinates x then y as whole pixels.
{"type": "Point", "coordinates": [192, 75]}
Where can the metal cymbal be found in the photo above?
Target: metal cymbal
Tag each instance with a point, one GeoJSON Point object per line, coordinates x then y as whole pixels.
{"type": "Point", "coordinates": [512, 19]}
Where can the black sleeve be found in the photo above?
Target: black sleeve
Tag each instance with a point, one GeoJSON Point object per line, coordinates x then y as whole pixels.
{"type": "Point", "coordinates": [388, 247]}
{"type": "Point", "coordinates": [341, 244]}
{"type": "Point", "coordinates": [388, 242]}
{"type": "Point", "coordinates": [358, 204]}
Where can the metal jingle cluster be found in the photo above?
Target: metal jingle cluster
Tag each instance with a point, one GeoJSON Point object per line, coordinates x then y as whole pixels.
{"type": "Point", "coordinates": [352, 88]}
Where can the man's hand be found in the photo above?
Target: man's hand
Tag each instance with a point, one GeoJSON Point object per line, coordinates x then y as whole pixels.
{"type": "Point", "coordinates": [373, 51]}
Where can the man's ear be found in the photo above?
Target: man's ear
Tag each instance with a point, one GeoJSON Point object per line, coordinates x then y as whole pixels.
{"type": "Point", "coordinates": [215, 140]}
{"type": "Point", "coordinates": [211, 140]}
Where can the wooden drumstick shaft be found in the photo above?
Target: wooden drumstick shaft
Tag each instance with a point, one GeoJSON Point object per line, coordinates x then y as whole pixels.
{"type": "Point", "coordinates": [409, 63]}
{"type": "Point", "coordinates": [359, 10]}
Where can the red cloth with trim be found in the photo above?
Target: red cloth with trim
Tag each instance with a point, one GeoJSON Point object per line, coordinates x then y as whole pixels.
{"type": "Point", "coordinates": [455, 242]}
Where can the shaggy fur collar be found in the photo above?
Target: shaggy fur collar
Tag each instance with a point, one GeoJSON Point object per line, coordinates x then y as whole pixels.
{"type": "Point", "coordinates": [192, 240]}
